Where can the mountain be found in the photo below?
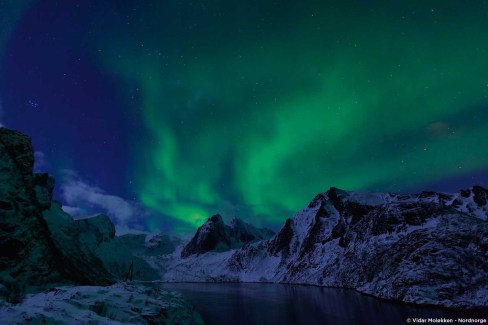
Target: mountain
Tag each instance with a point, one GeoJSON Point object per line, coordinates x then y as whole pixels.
{"type": "Point", "coordinates": [160, 244]}
{"type": "Point", "coordinates": [119, 253]}
{"type": "Point", "coordinates": [40, 244]}
{"type": "Point", "coordinates": [427, 248]}
{"type": "Point", "coordinates": [92, 242]}
{"type": "Point", "coordinates": [214, 235]}
{"type": "Point", "coordinates": [28, 253]}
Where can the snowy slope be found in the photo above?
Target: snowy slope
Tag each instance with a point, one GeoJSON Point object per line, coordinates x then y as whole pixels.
{"type": "Point", "coordinates": [428, 248]}
{"type": "Point", "coordinates": [216, 236]}
{"type": "Point", "coordinates": [116, 304]}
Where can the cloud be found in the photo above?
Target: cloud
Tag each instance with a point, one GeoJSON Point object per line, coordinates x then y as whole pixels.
{"type": "Point", "coordinates": [73, 211]}
{"type": "Point", "coordinates": [81, 197]}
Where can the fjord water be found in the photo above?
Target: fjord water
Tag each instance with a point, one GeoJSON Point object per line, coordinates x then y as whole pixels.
{"type": "Point", "coordinates": [261, 303]}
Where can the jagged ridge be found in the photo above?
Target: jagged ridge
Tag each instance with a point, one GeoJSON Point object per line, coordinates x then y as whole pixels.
{"type": "Point", "coordinates": [428, 248]}
{"type": "Point", "coordinates": [28, 254]}
{"type": "Point", "coordinates": [214, 235]}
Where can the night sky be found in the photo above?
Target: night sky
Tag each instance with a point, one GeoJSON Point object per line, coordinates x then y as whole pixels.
{"type": "Point", "coordinates": [162, 113]}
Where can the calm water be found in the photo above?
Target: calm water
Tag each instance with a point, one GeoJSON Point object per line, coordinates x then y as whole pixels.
{"type": "Point", "coordinates": [269, 304]}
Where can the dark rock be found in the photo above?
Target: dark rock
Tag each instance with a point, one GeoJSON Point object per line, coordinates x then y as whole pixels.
{"type": "Point", "coordinates": [44, 187]}
{"type": "Point", "coordinates": [118, 253]}
{"type": "Point", "coordinates": [241, 233]}
{"type": "Point", "coordinates": [356, 210]}
{"type": "Point", "coordinates": [211, 236]}
{"type": "Point", "coordinates": [28, 253]}
{"type": "Point", "coordinates": [5, 205]}
{"type": "Point", "coordinates": [480, 195]}
{"type": "Point", "coordinates": [161, 244]}
{"type": "Point", "coordinates": [316, 234]}
{"type": "Point", "coordinates": [214, 235]}
{"type": "Point", "coordinates": [19, 148]}
{"type": "Point", "coordinates": [336, 197]}
{"type": "Point", "coordinates": [339, 230]}
{"type": "Point", "coordinates": [281, 242]}
{"type": "Point", "coordinates": [99, 226]}
{"type": "Point", "coordinates": [428, 248]}
{"type": "Point", "coordinates": [317, 200]}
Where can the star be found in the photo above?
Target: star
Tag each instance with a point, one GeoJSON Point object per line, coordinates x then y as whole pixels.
{"type": "Point", "coordinates": [32, 103]}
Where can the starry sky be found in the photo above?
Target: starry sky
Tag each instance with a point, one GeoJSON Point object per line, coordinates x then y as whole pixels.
{"type": "Point", "coordinates": [162, 113]}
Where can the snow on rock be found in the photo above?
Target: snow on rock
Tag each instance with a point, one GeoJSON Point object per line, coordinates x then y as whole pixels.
{"type": "Point", "coordinates": [216, 236]}
{"type": "Point", "coordinates": [119, 303]}
{"type": "Point", "coordinates": [242, 233]}
{"type": "Point", "coordinates": [427, 248]}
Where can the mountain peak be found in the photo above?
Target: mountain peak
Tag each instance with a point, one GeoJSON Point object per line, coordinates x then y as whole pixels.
{"type": "Point", "coordinates": [216, 218]}
{"type": "Point", "coordinates": [214, 235]}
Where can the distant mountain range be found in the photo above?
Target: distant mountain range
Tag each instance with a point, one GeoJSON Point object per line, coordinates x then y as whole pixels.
{"type": "Point", "coordinates": [426, 248]}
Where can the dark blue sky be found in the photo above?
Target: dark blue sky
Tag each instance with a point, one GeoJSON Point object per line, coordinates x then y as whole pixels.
{"type": "Point", "coordinates": [174, 111]}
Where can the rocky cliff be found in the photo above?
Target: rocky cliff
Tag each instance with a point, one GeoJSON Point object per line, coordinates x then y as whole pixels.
{"type": "Point", "coordinates": [28, 253]}
{"type": "Point", "coordinates": [42, 246]}
{"type": "Point", "coordinates": [216, 236]}
{"type": "Point", "coordinates": [91, 243]}
{"type": "Point", "coordinates": [428, 248]}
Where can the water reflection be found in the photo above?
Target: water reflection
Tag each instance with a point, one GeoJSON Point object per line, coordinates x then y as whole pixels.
{"type": "Point", "coordinates": [257, 303]}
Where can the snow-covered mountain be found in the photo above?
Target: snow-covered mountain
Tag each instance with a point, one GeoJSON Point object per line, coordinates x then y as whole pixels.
{"type": "Point", "coordinates": [428, 248]}
{"type": "Point", "coordinates": [41, 246]}
{"type": "Point", "coordinates": [216, 236]}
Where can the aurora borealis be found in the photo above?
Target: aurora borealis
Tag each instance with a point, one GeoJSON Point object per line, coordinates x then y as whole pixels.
{"type": "Point", "coordinates": [251, 108]}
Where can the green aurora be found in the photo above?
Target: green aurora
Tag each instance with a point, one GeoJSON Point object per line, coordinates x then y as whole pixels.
{"type": "Point", "coordinates": [252, 108]}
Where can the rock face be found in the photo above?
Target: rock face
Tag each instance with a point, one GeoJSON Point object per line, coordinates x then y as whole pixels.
{"type": "Point", "coordinates": [92, 244]}
{"type": "Point", "coordinates": [161, 244]}
{"type": "Point", "coordinates": [78, 239]}
{"type": "Point", "coordinates": [117, 304]}
{"type": "Point", "coordinates": [427, 248]}
{"type": "Point", "coordinates": [40, 244]}
{"type": "Point", "coordinates": [214, 235]}
{"type": "Point", "coordinates": [242, 233]}
{"type": "Point", "coordinates": [119, 253]}
{"type": "Point", "coordinates": [28, 253]}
